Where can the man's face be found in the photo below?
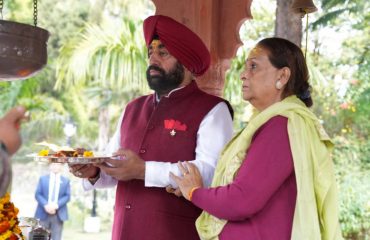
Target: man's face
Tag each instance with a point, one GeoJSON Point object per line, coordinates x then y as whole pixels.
{"type": "Point", "coordinates": [164, 73]}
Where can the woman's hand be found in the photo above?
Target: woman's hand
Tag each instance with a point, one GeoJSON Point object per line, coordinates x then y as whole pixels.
{"type": "Point", "coordinates": [190, 179]}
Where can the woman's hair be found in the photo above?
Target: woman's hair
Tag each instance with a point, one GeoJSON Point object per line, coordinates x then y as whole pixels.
{"type": "Point", "coordinates": [283, 53]}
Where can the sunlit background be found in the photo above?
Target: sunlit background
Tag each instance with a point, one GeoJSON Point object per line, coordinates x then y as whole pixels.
{"type": "Point", "coordinates": [90, 93]}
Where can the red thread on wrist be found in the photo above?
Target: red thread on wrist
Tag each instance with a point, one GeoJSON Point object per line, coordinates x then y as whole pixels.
{"type": "Point", "coordinates": [191, 192]}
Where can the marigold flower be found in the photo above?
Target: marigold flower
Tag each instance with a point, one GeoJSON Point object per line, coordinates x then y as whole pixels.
{"type": "Point", "coordinates": [9, 229]}
{"type": "Point", "coordinates": [88, 154]}
{"type": "Point", "coordinates": [43, 152]}
{"type": "Point", "coordinates": [4, 226]}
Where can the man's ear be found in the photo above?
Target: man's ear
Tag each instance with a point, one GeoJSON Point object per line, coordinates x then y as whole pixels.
{"type": "Point", "coordinates": [284, 75]}
{"type": "Point", "coordinates": [188, 77]}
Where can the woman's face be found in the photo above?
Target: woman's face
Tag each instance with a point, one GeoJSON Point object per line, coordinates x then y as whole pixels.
{"type": "Point", "coordinates": [259, 80]}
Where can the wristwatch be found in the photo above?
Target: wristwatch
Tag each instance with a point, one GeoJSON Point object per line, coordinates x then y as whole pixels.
{"type": "Point", "coordinates": [3, 147]}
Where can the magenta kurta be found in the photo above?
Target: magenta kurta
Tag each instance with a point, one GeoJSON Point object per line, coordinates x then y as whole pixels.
{"type": "Point", "coordinates": [143, 213]}
{"type": "Point", "coordinates": [259, 204]}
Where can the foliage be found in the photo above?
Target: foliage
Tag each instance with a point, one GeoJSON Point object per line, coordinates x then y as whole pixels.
{"type": "Point", "coordinates": [351, 156]}
{"type": "Point", "coordinates": [342, 103]}
{"type": "Point", "coordinates": [111, 56]}
{"type": "Point", "coordinates": [232, 91]}
{"type": "Point", "coordinates": [338, 12]}
{"type": "Point", "coordinates": [251, 31]}
{"type": "Point", "coordinates": [50, 107]}
{"type": "Point", "coordinates": [103, 62]}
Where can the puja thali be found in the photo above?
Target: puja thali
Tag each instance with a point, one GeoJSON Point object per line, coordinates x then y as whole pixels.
{"type": "Point", "coordinates": [71, 160]}
{"type": "Point", "coordinates": [56, 154]}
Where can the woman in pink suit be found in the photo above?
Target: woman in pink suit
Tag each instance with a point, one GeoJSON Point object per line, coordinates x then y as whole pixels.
{"type": "Point", "coordinates": [275, 178]}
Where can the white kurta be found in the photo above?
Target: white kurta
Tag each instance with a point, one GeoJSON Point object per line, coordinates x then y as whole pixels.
{"type": "Point", "coordinates": [214, 132]}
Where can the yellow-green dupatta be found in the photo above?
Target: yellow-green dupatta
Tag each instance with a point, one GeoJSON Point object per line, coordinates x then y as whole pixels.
{"type": "Point", "coordinates": [316, 213]}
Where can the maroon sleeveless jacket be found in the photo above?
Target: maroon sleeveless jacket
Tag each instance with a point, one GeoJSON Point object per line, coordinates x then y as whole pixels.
{"type": "Point", "coordinates": [150, 213]}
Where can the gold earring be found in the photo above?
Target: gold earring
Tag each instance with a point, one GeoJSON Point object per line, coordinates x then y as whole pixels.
{"type": "Point", "coordinates": [278, 85]}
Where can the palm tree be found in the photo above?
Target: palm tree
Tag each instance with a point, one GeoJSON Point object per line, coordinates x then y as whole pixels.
{"type": "Point", "coordinates": [108, 61]}
{"type": "Point", "coordinates": [47, 113]}
{"type": "Point", "coordinates": [335, 8]}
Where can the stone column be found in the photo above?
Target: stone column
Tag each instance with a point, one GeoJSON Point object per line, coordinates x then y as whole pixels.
{"type": "Point", "coordinates": [217, 22]}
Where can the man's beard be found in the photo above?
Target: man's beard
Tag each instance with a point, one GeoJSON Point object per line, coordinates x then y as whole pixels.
{"type": "Point", "coordinates": [162, 83]}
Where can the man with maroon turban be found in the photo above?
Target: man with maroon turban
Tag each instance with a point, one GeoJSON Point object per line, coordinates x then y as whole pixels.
{"type": "Point", "coordinates": [178, 122]}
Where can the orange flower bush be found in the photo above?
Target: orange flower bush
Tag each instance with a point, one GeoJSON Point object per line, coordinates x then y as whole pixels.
{"type": "Point", "coordinates": [9, 229]}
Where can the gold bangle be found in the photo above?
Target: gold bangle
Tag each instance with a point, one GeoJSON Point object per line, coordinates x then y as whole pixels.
{"type": "Point", "coordinates": [191, 192]}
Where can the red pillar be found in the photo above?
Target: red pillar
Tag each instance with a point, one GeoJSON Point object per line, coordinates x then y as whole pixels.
{"type": "Point", "coordinates": [217, 22]}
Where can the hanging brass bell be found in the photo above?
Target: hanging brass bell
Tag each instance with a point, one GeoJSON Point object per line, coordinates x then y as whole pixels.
{"type": "Point", "coordinates": [23, 50]}
{"type": "Point", "coordinates": [303, 6]}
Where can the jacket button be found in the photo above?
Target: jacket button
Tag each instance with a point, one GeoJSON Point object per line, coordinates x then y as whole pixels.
{"type": "Point", "coordinates": [128, 206]}
{"type": "Point", "coordinates": [150, 127]}
{"type": "Point", "coordinates": [142, 151]}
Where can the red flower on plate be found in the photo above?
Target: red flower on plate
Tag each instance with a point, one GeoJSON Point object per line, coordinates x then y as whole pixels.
{"type": "Point", "coordinates": [174, 124]}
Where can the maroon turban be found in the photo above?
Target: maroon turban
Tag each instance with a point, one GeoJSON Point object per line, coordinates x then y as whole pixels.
{"type": "Point", "coordinates": [180, 41]}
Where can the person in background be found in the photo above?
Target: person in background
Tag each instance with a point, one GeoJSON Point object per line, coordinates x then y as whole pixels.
{"type": "Point", "coordinates": [10, 141]}
{"type": "Point", "coordinates": [52, 194]}
{"type": "Point", "coordinates": [275, 178]}
{"type": "Point", "coordinates": [178, 122]}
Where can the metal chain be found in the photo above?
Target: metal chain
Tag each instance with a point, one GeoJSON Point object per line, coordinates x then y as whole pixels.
{"type": "Point", "coordinates": [34, 12]}
{"type": "Point", "coordinates": [1, 8]}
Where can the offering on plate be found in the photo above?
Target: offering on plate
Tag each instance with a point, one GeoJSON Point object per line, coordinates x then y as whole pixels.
{"type": "Point", "coordinates": [54, 153]}
{"type": "Point", "coordinates": [57, 154]}
{"type": "Point", "coordinates": [78, 152]}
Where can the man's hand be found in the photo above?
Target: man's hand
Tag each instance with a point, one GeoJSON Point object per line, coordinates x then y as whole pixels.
{"type": "Point", "coordinates": [130, 166]}
{"type": "Point", "coordinates": [175, 191]}
{"type": "Point", "coordinates": [50, 209]}
{"type": "Point", "coordinates": [84, 170]}
{"type": "Point", "coordinates": [9, 128]}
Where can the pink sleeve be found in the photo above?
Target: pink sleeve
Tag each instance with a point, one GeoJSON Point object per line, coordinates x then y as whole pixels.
{"type": "Point", "coordinates": [267, 165]}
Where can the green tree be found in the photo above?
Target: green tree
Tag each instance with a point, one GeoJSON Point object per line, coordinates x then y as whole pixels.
{"type": "Point", "coordinates": [106, 60]}
{"type": "Point", "coordinates": [48, 107]}
{"type": "Point", "coordinates": [347, 115]}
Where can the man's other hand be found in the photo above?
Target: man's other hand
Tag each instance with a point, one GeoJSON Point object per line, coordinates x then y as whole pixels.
{"type": "Point", "coordinates": [127, 165]}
